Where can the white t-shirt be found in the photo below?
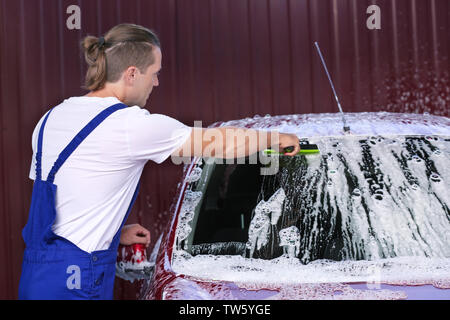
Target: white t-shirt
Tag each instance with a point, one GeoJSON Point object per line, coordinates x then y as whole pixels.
{"type": "Point", "coordinates": [97, 182]}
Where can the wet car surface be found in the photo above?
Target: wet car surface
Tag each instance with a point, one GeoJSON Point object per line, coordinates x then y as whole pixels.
{"type": "Point", "coordinates": [367, 218]}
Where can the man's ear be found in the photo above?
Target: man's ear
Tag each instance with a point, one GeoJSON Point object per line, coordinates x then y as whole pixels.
{"type": "Point", "coordinates": [130, 74]}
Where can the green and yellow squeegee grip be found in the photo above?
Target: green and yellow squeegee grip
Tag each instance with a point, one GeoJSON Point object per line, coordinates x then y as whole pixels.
{"type": "Point", "coordinates": [305, 149]}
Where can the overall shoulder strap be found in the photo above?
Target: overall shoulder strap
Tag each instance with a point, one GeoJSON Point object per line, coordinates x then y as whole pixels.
{"type": "Point", "coordinates": [76, 141]}
{"type": "Point", "coordinates": [39, 147]}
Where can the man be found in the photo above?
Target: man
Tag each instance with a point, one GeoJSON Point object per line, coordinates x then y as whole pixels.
{"type": "Point", "coordinates": [92, 149]}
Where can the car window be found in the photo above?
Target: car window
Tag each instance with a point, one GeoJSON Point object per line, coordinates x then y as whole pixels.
{"type": "Point", "coordinates": [361, 198]}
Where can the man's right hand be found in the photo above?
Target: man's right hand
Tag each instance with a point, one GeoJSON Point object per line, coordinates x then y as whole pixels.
{"type": "Point", "coordinates": [289, 140]}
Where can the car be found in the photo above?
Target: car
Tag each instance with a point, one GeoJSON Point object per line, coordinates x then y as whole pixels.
{"type": "Point", "coordinates": [366, 218]}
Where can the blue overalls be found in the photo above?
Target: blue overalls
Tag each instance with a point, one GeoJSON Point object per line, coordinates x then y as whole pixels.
{"type": "Point", "coordinates": [53, 267]}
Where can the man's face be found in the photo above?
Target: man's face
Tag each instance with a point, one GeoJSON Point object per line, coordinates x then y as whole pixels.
{"type": "Point", "coordinates": [145, 82]}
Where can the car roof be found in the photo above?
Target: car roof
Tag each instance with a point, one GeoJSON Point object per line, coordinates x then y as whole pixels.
{"type": "Point", "coordinates": [361, 123]}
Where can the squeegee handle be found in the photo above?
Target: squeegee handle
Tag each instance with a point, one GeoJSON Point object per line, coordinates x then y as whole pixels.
{"type": "Point", "coordinates": [304, 149]}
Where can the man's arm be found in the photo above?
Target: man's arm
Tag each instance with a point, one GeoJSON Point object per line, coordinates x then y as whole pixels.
{"type": "Point", "coordinates": [233, 142]}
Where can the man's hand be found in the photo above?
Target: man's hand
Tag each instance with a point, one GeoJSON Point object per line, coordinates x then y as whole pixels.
{"type": "Point", "coordinates": [134, 233]}
{"type": "Point", "coordinates": [289, 140]}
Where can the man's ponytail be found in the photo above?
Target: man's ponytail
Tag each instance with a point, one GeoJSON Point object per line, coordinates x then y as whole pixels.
{"type": "Point", "coordinates": [95, 56]}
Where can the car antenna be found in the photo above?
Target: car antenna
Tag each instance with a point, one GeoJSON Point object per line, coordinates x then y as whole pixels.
{"type": "Point", "coordinates": [346, 128]}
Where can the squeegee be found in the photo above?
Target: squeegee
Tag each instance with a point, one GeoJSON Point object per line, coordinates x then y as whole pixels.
{"type": "Point", "coordinates": [305, 149]}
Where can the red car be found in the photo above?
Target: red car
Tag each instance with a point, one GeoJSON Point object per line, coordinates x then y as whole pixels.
{"type": "Point", "coordinates": [366, 218]}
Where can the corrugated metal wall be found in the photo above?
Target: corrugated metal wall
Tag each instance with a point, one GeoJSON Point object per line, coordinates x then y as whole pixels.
{"type": "Point", "coordinates": [222, 60]}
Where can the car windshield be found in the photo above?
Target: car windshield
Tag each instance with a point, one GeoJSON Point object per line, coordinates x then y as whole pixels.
{"type": "Point", "coordinates": [361, 199]}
